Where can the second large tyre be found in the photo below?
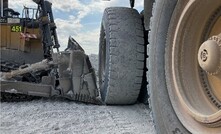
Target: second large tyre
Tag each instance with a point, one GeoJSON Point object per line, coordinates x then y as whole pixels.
{"type": "Point", "coordinates": [184, 98]}
{"type": "Point", "coordinates": [121, 55]}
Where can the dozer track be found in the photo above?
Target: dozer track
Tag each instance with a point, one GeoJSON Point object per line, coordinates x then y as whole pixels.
{"type": "Point", "coordinates": [7, 66]}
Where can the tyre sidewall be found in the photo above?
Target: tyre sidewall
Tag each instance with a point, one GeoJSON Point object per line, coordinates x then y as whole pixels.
{"type": "Point", "coordinates": [164, 116]}
{"type": "Point", "coordinates": [104, 30]}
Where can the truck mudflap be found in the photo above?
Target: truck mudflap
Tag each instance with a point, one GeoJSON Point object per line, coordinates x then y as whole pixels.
{"type": "Point", "coordinates": [71, 75]}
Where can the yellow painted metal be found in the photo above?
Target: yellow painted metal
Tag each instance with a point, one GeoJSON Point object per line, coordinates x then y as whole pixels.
{"type": "Point", "coordinates": [3, 32]}
{"type": "Point", "coordinates": [27, 45]}
{"type": "Point", "coordinates": [13, 40]}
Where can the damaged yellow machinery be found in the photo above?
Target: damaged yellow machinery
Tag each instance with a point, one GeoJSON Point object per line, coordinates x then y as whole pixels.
{"type": "Point", "coordinates": [29, 65]}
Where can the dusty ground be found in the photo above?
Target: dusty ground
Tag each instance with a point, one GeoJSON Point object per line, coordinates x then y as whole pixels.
{"type": "Point", "coordinates": [58, 116]}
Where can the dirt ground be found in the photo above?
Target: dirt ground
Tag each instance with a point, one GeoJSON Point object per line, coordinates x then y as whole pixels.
{"type": "Point", "coordinates": [59, 116]}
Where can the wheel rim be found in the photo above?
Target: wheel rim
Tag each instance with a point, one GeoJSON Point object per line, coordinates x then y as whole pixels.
{"type": "Point", "coordinates": [194, 94]}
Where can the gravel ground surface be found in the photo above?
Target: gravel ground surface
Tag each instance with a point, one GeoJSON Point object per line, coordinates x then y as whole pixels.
{"type": "Point", "coordinates": [59, 116]}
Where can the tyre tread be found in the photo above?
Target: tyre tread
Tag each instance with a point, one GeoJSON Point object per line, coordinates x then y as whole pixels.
{"type": "Point", "coordinates": [131, 51]}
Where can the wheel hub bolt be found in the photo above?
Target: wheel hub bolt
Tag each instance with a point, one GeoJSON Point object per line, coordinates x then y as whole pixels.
{"type": "Point", "coordinates": [209, 55]}
{"type": "Point", "coordinates": [204, 55]}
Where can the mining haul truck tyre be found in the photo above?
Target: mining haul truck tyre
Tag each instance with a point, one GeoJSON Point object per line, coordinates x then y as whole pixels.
{"type": "Point", "coordinates": [121, 55]}
{"type": "Point", "coordinates": [183, 97]}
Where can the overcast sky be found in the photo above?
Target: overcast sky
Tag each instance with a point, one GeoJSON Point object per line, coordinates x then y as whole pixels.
{"type": "Point", "coordinates": [80, 19]}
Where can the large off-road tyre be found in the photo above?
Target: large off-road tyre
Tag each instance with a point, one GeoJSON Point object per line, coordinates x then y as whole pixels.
{"type": "Point", "coordinates": [121, 55]}
{"type": "Point", "coordinates": [183, 97]}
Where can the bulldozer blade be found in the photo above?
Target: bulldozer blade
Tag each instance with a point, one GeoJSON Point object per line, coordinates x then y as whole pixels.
{"type": "Point", "coordinates": [77, 76]}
